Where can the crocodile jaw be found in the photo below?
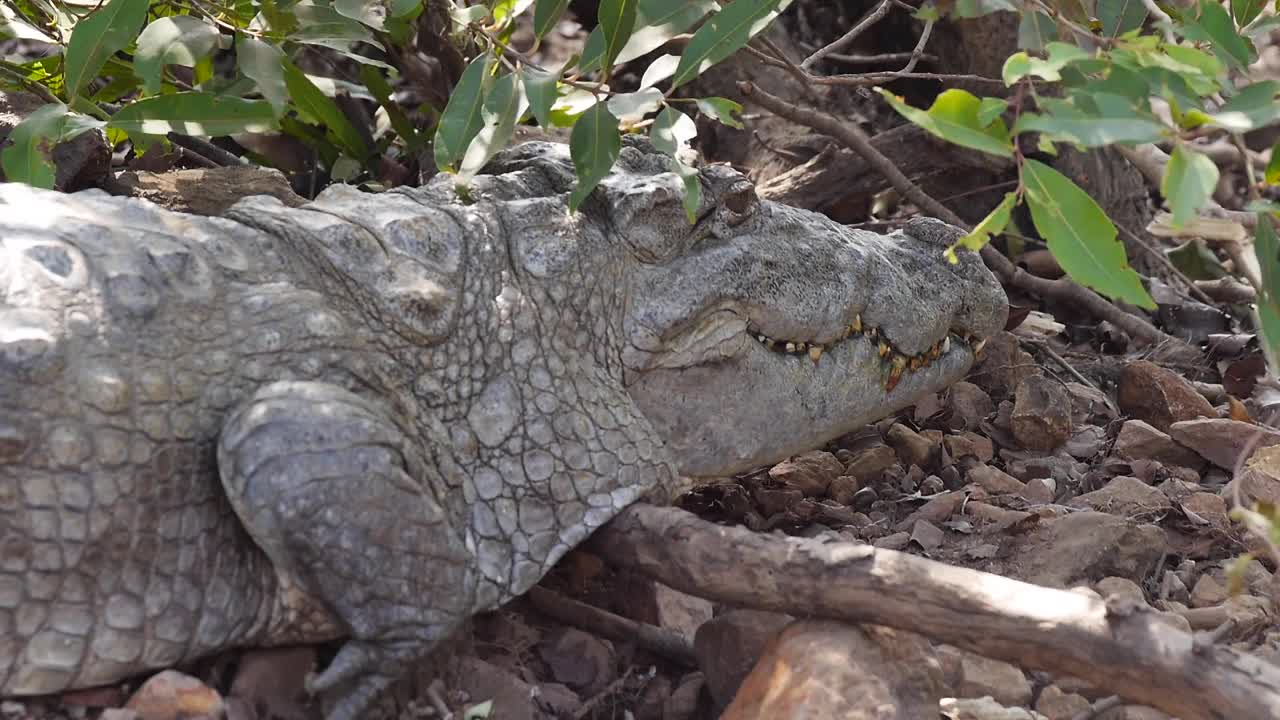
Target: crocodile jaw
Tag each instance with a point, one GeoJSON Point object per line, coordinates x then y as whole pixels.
{"type": "Point", "coordinates": [708, 362]}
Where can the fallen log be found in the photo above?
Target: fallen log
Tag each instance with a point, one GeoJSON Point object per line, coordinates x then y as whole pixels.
{"type": "Point", "coordinates": [1117, 645]}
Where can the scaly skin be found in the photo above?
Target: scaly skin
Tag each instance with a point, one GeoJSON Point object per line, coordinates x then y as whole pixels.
{"type": "Point", "coordinates": [373, 416]}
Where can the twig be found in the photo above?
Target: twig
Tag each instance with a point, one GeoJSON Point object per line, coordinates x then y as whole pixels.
{"type": "Point", "coordinates": [872, 59]}
{"type": "Point", "coordinates": [878, 78]}
{"type": "Point", "coordinates": [669, 645]}
{"type": "Point", "coordinates": [1062, 362]}
{"type": "Point", "coordinates": [1168, 264]}
{"type": "Point", "coordinates": [1134, 654]}
{"type": "Point", "coordinates": [872, 18]}
{"type": "Point", "coordinates": [613, 687]}
{"type": "Point", "coordinates": [205, 149]}
{"type": "Point", "coordinates": [1096, 709]}
{"type": "Point", "coordinates": [1062, 289]}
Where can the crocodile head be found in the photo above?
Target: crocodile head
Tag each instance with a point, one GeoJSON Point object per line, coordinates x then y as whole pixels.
{"type": "Point", "coordinates": [760, 330]}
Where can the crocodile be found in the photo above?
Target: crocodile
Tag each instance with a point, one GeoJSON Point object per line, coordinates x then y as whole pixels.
{"type": "Point", "coordinates": [368, 418]}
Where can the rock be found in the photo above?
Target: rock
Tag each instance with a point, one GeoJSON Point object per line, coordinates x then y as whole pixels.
{"type": "Point", "coordinates": [994, 480]}
{"type": "Point", "coordinates": [936, 510]}
{"type": "Point", "coordinates": [81, 162]}
{"type": "Point", "coordinates": [1159, 396]}
{"type": "Point", "coordinates": [1081, 547]}
{"type": "Point", "coordinates": [1002, 366]}
{"type": "Point", "coordinates": [810, 473]}
{"type": "Point", "coordinates": [727, 647]}
{"type": "Point", "coordinates": [1055, 704]}
{"type": "Point", "coordinates": [911, 447]}
{"type": "Point", "coordinates": [983, 709]}
{"type": "Point", "coordinates": [927, 535]}
{"type": "Point", "coordinates": [1086, 442]}
{"type": "Point", "coordinates": [680, 612]}
{"type": "Point", "coordinates": [206, 191]}
{"type": "Point", "coordinates": [1138, 440]}
{"type": "Point", "coordinates": [482, 681]}
{"type": "Point", "coordinates": [829, 669]}
{"type": "Point", "coordinates": [171, 695]}
{"type": "Point", "coordinates": [1133, 712]}
{"type": "Point", "coordinates": [968, 405]}
{"type": "Point", "coordinates": [1040, 491]}
{"type": "Point", "coordinates": [114, 714]}
{"type": "Point", "coordinates": [1222, 440]}
{"type": "Point", "coordinates": [773, 498]}
{"type": "Point", "coordinates": [1260, 479]}
{"type": "Point", "coordinates": [683, 703]}
{"type": "Point", "coordinates": [1110, 587]}
{"type": "Point", "coordinates": [843, 489]}
{"type": "Point", "coordinates": [982, 676]}
{"type": "Point", "coordinates": [580, 660]}
{"type": "Point", "coordinates": [1207, 508]}
{"type": "Point", "coordinates": [273, 681]}
{"type": "Point", "coordinates": [1041, 418]}
{"type": "Point", "coordinates": [559, 701]}
{"type": "Point", "coordinates": [1208, 592]}
{"type": "Point", "coordinates": [1126, 496]}
{"type": "Point", "coordinates": [896, 541]}
{"type": "Point", "coordinates": [868, 466]}
{"type": "Point", "coordinates": [1088, 405]}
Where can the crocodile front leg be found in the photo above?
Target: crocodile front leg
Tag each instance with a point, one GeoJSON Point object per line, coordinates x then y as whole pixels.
{"type": "Point", "coordinates": [338, 498]}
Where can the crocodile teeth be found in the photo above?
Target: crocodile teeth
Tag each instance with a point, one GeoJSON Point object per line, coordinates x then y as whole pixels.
{"type": "Point", "coordinates": [946, 345]}
{"type": "Point", "coordinates": [800, 347]}
{"type": "Point", "coordinates": [978, 348]}
{"type": "Point", "coordinates": [815, 352]}
{"type": "Point", "coordinates": [884, 349]}
{"type": "Point", "coordinates": [791, 347]}
{"type": "Point", "coordinates": [770, 343]}
{"type": "Point", "coordinates": [856, 325]}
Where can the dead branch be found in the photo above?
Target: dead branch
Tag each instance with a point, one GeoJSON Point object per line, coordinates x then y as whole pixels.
{"type": "Point", "coordinates": [670, 645]}
{"type": "Point", "coordinates": [1118, 646]}
{"type": "Point", "coordinates": [1062, 289]}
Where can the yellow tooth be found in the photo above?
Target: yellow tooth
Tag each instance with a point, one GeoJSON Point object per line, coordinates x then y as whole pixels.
{"type": "Point", "coordinates": [856, 326]}
{"type": "Point", "coordinates": [872, 332]}
{"type": "Point", "coordinates": [915, 363]}
{"type": "Point", "coordinates": [815, 352]}
{"type": "Point", "coordinates": [884, 348]}
{"type": "Point", "coordinates": [895, 373]}
{"type": "Point", "coordinates": [946, 345]}
{"type": "Point", "coordinates": [791, 347]}
{"type": "Point", "coordinates": [978, 348]}
{"type": "Point", "coordinates": [935, 351]}
{"type": "Point", "coordinates": [770, 343]}
{"type": "Point", "coordinates": [800, 347]}
{"type": "Point", "coordinates": [761, 338]}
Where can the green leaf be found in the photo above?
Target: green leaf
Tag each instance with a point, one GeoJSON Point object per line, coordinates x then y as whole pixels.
{"type": "Point", "coordinates": [1092, 131]}
{"type": "Point", "coordinates": [1188, 183]}
{"type": "Point", "coordinates": [261, 62]}
{"type": "Point", "coordinates": [174, 40]}
{"type": "Point", "coordinates": [1215, 27]}
{"type": "Point", "coordinates": [1080, 236]}
{"type": "Point", "coordinates": [724, 34]}
{"type": "Point", "coordinates": [670, 133]}
{"type": "Point", "coordinates": [99, 36]}
{"type": "Point", "coordinates": [370, 12]}
{"type": "Point", "coordinates": [13, 26]}
{"type": "Point", "coordinates": [381, 91]}
{"type": "Point", "coordinates": [721, 110]}
{"type": "Point", "coordinates": [542, 89]}
{"type": "Point", "coordinates": [1271, 175]}
{"type": "Point", "coordinates": [325, 26]}
{"type": "Point", "coordinates": [661, 68]}
{"type": "Point", "coordinates": [462, 118]}
{"type": "Point", "coordinates": [993, 224]}
{"type": "Point", "coordinates": [1021, 64]}
{"type": "Point", "coordinates": [569, 107]}
{"type": "Point", "coordinates": [954, 118]}
{"type": "Point", "coordinates": [1196, 260]}
{"type": "Point", "coordinates": [617, 20]}
{"type": "Point", "coordinates": [594, 145]}
{"type": "Point", "coordinates": [1120, 16]}
{"type": "Point", "coordinates": [1244, 11]}
{"type": "Point", "coordinates": [546, 14]}
{"type": "Point", "coordinates": [990, 109]}
{"type": "Point", "coordinates": [29, 157]}
{"type": "Point", "coordinates": [1252, 106]}
{"type": "Point", "coordinates": [313, 103]}
{"type": "Point", "coordinates": [194, 113]}
{"type": "Point", "coordinates": [1266, 247]}
{"type": "Point", "coordinates": [1036, 30]}
{"type": "Point", "coordinates": [631, 108]}
{"type": "Point", "coordinates": [502, 108]}
{"type": "Point", "coordinates": [657, 21]}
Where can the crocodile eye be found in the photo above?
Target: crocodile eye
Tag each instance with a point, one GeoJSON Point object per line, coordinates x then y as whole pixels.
{"type": "Point", "coordinates": [740, 198]}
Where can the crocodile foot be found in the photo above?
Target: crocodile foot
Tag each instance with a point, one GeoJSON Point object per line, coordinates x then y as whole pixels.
{"type": "Point", "coordinates": [330, 488]}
